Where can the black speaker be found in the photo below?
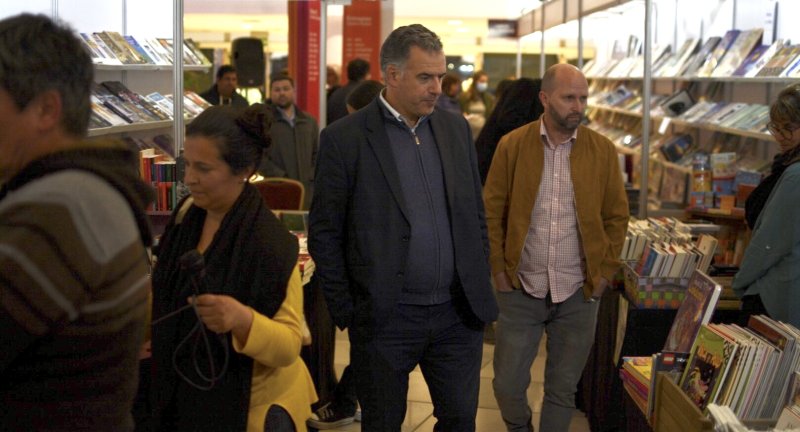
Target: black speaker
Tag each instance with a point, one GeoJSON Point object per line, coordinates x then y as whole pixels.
{"type": "Point", "coordinates": [248, 59]}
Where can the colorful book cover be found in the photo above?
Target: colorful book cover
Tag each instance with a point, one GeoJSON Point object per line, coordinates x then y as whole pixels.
{"type": "Point", "coordinates": [696, 309]}
{"type": "Point", "coordinates": [765, 58]}
{"type": "Point", "coordinates": [738, 52]}
{"type": "Point", "coordinates": [751, 60]}
{"type": "Point", "coordinates": [702, 56]}
{"type": "Point", "coordinates": [780, 61]}
{"type": "Point", "coordinates": [704, 367]}
{"type": "Point", "coordinates": [719, 52]}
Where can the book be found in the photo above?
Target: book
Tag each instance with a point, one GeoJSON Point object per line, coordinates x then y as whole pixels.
{"type": "Point", "coordinates": [707, 245]}
{"type": "Point", "coordinates": [780, 61]}
{"type": "Point", "coordinates": [696, 309]}
{"type": "Point", "coordinates": [714, 59]}
{"type": "Point", "coordinates": [108, 54]}
{"type": "Point", "coordinates": [701, 57]}
{"type": "Point", "coordinates": [766, 57]}
{"type": "Point", "coordinates": [704, 367]}
{"type": "Point", "coordinates": [672, 364]}
{"type": "Point", "coordinates": [148, 57]}
{"type": "Point", "coordinates": [677, 62]}
{"type": "Point", "coordinates": [738, 52]}
{"type": "Point", "coordinates": [751, 60]}
{"type": "Point", "coordinates": [146, 109]}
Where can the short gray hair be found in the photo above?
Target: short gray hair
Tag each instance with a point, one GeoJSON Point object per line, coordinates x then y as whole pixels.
{"type": "Point", "coordinates": [396, 47]}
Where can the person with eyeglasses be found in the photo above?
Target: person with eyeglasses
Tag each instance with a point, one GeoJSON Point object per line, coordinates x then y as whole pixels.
{"type": "Point", "coordinates": [769, 278]}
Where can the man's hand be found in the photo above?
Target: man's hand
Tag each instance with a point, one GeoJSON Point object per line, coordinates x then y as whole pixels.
{"type": "Point", "coordinates": [502, 282]}
{"type": "Point", "coordinates": [222, 314]}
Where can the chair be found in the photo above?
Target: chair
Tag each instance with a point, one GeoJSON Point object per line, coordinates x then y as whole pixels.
{"type": "Point", "coordinates": [281, 193]}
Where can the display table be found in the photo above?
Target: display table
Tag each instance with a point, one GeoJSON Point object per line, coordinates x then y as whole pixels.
{"type": "Point", "coordinates": [600, 391]}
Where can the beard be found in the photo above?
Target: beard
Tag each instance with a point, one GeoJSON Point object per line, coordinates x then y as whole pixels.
{"type": "Point", "coordinates": [570, 122]}
{"type": "Point", "coordinates": [284, 104]}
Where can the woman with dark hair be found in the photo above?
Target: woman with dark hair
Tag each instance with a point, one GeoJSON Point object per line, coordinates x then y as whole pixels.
{"type": "Point", "coordinates": [448, 100]}
{"type": "Point", "coordinates": [519, 105]}
{"type": "Point", "coordinates": [477, 103]}
{"type": "Point", "coordinates": [769, 278]}
{"type": "Point", "coordinates": [227, 296]}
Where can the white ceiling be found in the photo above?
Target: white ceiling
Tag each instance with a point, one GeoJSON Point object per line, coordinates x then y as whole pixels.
{"type": "Point", "coordinates": [462, 24]}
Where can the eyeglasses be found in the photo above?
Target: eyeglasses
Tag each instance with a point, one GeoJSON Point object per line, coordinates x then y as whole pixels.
{"type": "Point", "coordinates": [785, 132]}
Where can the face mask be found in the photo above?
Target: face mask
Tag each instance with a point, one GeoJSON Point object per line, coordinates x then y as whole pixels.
{"type": "Point", "coordinates": [482, 86]}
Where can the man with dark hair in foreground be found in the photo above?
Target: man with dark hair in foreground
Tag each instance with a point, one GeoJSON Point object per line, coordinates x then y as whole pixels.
{"type": "Point", "coordinates": [73, 267]}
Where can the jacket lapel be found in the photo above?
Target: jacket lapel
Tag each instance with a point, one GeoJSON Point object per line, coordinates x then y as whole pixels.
{"type": "Point", "coordinates": [448, 153]}
{"type": "Point", "coordinates": [378, 140]}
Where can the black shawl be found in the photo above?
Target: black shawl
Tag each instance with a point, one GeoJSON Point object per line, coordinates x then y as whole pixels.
{"type": "Point", "coordinates": [758, 197]}
{"type": "Point", "coordinates": [251, 259]}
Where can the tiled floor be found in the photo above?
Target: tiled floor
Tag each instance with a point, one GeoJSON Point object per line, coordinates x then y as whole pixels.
{"type": "Point", "coordinates": [419, 416]}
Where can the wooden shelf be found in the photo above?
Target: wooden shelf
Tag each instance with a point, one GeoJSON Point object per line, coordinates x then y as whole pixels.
{"type": "Point", "coordinates": [714, 215]}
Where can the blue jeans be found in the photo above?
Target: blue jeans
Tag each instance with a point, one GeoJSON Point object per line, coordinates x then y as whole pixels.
{"type": "Point", "coordinates": [448, 351]}
{"type": "Point", "coordinates": [570, 328]}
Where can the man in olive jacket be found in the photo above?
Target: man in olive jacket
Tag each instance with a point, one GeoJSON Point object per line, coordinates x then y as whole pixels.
{"type": "Point", "coordinates": [557, 213]}
{"type": "Point", "coordinates": [295, 139]}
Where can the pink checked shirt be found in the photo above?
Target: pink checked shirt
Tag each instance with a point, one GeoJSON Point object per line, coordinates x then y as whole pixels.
{"type": "Point", "coordinates": [552, 259]}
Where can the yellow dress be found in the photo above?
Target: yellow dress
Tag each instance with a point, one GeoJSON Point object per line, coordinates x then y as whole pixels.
{"type": "Point", "coordinates": [280, 376]}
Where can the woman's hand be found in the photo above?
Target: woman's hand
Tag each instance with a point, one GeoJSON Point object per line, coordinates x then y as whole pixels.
{"type": "Point", "coordinates": [222, 314]}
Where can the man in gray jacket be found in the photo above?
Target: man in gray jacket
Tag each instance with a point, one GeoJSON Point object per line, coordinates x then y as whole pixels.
{"type": "Point", "coordinates": [295, 139]}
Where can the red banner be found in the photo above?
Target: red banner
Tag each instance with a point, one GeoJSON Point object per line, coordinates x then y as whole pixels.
{"type": "Point", "coordinates": [361, 35]}
{"type": "Point", "coordinates": [304, 31]}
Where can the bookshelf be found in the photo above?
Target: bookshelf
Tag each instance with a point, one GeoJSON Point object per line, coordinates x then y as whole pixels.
{"type": "Point", "coordinates": [677, 22]}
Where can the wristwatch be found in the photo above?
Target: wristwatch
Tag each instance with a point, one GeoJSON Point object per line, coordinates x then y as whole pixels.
{"type": "Point", "coordinates": [594, 299]}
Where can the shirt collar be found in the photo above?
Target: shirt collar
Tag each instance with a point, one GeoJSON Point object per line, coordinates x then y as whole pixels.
{"type": "Point", "coordinates": [546, 137]}
{"type": "Point", "coordinates": [396, 114]}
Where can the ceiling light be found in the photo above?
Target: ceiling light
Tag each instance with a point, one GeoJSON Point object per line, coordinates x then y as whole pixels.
{"type": "Point", "coordinates": [454, 22]}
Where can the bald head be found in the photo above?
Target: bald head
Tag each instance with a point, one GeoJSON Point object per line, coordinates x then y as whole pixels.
{"type": "Point", "coordinates": [560, 73]}
{"type": "Point", "coordinates": [564, 95]}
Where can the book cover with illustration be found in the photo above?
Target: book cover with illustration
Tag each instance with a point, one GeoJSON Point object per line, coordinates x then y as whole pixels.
{"type": "Point", "coordinates": [696, 309]}
{"type": "Point", "coordinates": [703, 369]}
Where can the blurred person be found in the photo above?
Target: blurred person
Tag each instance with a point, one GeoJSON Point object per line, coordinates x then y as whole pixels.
{"type": "Point", "coordinates": [357, 71]}
{"type": "Point", "coordinates": [477, 103]}
{"type": "Point", "coordinates": [223, 91]}
{"type": "Point", "coordinates": [73, 232]}
{"type": "Point", "coordinates": [398, 236]}
{"type": "Point", "coordinates": [295, 138]}
{"type": "Point", "coordinates": [768, 281]}
{"type": "Point", "coordinates": [522, 106]}
{"type": "Point", "coordinates": [448, 101]}
{"type": "Point", "coordinates": [501, 88]}
{"type": "Point", "coordinates": [557, 214]}
{"type": "Point", "coordinates": [363, 94]}
{"type": "Point", "coordinates": [331, 81]}
{"type": "Point", "coordinates": [341, 410]}
{"type": "Point", "coordinates": [231, 362]}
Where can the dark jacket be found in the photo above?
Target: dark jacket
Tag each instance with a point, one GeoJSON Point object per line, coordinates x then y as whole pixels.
{"type": "Point", "coordinates": [359, 233]}
{"type": "Point", "coordinates": [212, 96]}
{"type": "Point", "coordinates": [337, 104]}
{"type": "Point", "coordinates": [293, 152]}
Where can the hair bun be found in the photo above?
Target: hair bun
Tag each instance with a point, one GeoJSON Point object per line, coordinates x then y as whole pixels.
{"type": "Point", "coordinates": [255, 121]}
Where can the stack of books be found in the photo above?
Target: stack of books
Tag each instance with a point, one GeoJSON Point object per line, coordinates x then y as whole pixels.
{"type": "Point", "coordinates": [664, 248]}
{"type": "Point", "coordinates": [112, 48]}
{"type": "Point", "coordinates": [747, 369]}
{"type": "Point", "coordinates": [734, 54]}
{"type": "Point", "coordinates": [113, 104]}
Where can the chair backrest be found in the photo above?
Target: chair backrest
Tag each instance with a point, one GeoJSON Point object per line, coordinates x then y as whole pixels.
{"type": "Point", "coordinates": [281, 193]}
